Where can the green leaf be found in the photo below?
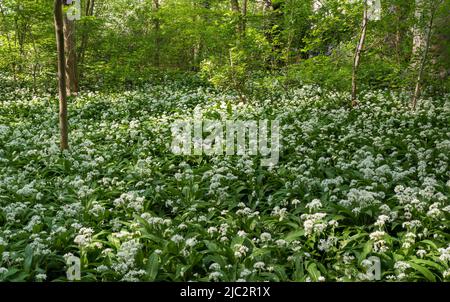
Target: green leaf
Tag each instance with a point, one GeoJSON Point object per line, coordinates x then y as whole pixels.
{"type": "Point", "coordinates": [351, 239]}
{"type": "Point", "coordinates": [429, 263]}
{"type": "Point", "coordinates": [294, 235]}
{"type": "Point", "coordinates": [152, 267]}
{"type": "Point", "coordinates": [229, 109]}
{"type": "Point", "coordinates": [313, 272]}
{"type": "Point", "coordinates": [366, 251]}
{"type": "Point", "coordinates": [212, 247]}
{"type": "Point", "coordinates": [28, 258]}
{"type": "Point", "coordinates": [299, 272]}
{"type": "Point", "coordinates": [424, 271]}
{"type": "Point", "coordinates": [430, 243]}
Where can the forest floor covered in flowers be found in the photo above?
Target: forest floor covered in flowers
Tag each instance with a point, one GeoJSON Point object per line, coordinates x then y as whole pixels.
{"type": "Point", "coordinates": [349, 185]}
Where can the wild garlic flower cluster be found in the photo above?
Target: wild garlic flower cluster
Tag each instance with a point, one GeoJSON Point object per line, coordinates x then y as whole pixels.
{"type": "Point", "coordinates": [372, 181]}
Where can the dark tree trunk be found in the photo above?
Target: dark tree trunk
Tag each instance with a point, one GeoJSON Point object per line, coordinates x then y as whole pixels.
{"type": "Point", "coordinates": [59, 30]}
{"type": "Point", "coordinates": [244, 16]}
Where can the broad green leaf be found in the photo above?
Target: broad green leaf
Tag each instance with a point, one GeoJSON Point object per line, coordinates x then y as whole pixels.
{"type": "Point", "coordinates": [152, 266]}
{"type": "Point", "coordinates": [424, 271]}
{"type": "Point", "coordinates": [314, 273]}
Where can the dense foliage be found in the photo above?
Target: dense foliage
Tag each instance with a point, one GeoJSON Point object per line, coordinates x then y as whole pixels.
{"type": "Point", "coordinates": [349, 184]}
{"type": "Point", "coordinates": [361, 92]}
{"type": "Point", "coordinates": [124, 42]}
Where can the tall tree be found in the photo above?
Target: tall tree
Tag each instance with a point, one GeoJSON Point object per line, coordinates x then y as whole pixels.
{"type": "Point", "coordinates": [237, 11]}
{"type": "Point", "coordinates": [424, 49]}
{"type": "Point", "coordinates": [241, 13]}
{"type": "Point", "coordinates": [59, 30]}
{"type": "Point", "coordinates": [244, 16]}
{"type": "Point", "coordinates": [157, 27]}
{"type": "Point", "coordinates": [358, 51]}
{"type": "Point", "coordinates": [70, 57]}
{"type": "Point", "coordinates": [419, 32]}
{"type": "Point", "coordinates": [5, 29]}
{"type": "Point", "coordinates": [88, 12]}
{"type": "Point", "coordinates": [235, 6]}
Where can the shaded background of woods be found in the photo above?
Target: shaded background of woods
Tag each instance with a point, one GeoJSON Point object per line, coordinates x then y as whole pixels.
{"type": "Point", "coordinates": [121, 43]}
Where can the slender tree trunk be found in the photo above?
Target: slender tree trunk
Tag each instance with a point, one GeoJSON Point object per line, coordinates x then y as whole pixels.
{"type": "Point", "coordinates": [8, 41]}
{"type": "Point", "coordinates": [157, 26]}
{"type": "Point", "coordinates": [419, 34]}
{"type": "Point", "coordinates": [21, 28]}
{"type": "Point", "coordinates": [398, 42]}
{"type": "Point", "coordinates": [426, 47]}
{"type": "Point", "coordinates": [63, 123]}
{"type": "Point", "coordinates": [36, 60]}
{"type": "Point", "coordinates": [397, 36]}
{"type": "Point", "coordinates": [268, 25]}
{"type": "Point", "coordinates": [244, 16]}
{"type": "Point", "coordinates": [237, 85]}
{"type": "Point", "coordinates": [357, 57]}
{"type": "Point", "coordinates": [235, 9]}
{"type": "Point", "coordinates": [70, 57]}
{"type": "Point", "coordinates": [235, 6]}
{"type": "Point", "coordinates": [89, 11]}
{"type": "Point", "coordinates": [200, 45]}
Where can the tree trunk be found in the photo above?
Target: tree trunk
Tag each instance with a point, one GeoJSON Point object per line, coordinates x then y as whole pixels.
{"type": "Point", "coordinates": [63, 123]}
{"type": "Point", "coordinates": [199, 46]}
{"type": "Point", "coordinates": [89, 11]}
{"type": "Point", "coordinates": [8, 41]}
{"type": "Point", "coordinates": [235, 6]}
{"type": "Point", "coordinates": [236, 10]}
{"type": "Point", "coordinates": [398, 41]}
{"type": "Point", "coordinates": [426, 47]}
{"type": "Point", "coordinates": [70, 57]}
{"type": "Point", "coordinates": [419, 34]}
{"type": "Point", "coordinates": [357, 57]}
{"type": "Point", "coordinates": [89, 7]}
{"type": "Point", "coordinates": [36, 60]}
{"type": "Point", "coordinates": [157, 26]}
{"type": "Point", "coordinates": [244, 17]}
